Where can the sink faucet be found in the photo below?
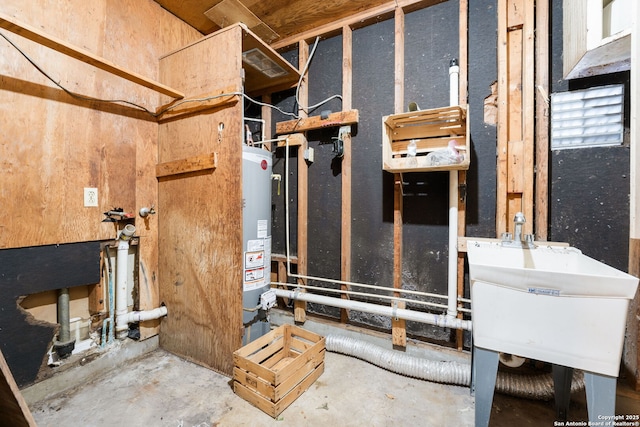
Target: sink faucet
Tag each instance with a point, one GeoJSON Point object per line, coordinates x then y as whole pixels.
{"type": "Point", "coordinates": [518, 239]}
{"type": "Point", "coordinates": [518, 221]}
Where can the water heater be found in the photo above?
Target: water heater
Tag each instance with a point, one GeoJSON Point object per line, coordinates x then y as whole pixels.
{"type": "Point", "coordinates": [256, 232]}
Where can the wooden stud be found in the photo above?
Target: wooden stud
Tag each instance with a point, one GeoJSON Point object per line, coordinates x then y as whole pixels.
{"type": "Point", "coordinates": [299, 310]}
{"type": "Point", "coordinates": [633, 323]}
{"type": "Point", "coordinates": [542, 120]}
{"type": "Point", "coordinates": [462, 175]}
{"type": "Point", "coordinates": [515, 113]}
{"type": "Point", "coordinates": [398, 326]}
{"type": "Point", "coordinates": [266, 116]}
{"type": "Point", "coordinates": [345, 235]}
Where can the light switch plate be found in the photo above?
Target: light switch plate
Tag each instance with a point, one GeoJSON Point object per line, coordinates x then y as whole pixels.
{"type": "Point", "coordinates": [90, 197]}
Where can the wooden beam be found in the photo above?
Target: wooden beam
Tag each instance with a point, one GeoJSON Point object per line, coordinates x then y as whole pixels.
{"type": "Point", "coordinates": [299, 310]}
{"type": "Point", "coordinates": [633, 319]}
{"type": "Point", "coordinates": [398, 326]}
{"type": "Point", "coordinates": [345, 233]}
{"type": "Point", "coordinates": [340, 118]}
{"type": "Point", "coordinates": [542, 120]}
{"type": "Point", "coordinates": [463, 38]}
{"type": "Point", "coordinates": [199, 103]}
{"type": "Point", "coordinates": [374, 13]}
{"type": "Point", "coordinates": [13, 409]}
{"type": "Point", "coordinates": [35, 35]}
{"type": "Point", "coordinates": [515, 113]}
{"type": "Point", "coordinates": [266, 116]}
{"type": "Point", "coordinates": [191, 164]}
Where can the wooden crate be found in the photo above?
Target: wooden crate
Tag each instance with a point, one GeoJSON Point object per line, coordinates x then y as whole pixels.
{"type": "Point", "coordinates": [431, 130]}
{"type": "Point", "coordinates": [274, 370]}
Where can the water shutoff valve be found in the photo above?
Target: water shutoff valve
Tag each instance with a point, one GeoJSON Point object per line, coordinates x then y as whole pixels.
{"type": "Point", "coordinates": [268, 299]}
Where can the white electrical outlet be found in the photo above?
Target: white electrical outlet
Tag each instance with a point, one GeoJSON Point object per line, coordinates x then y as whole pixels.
{"type": "Point", "coordinates": [90, 197]}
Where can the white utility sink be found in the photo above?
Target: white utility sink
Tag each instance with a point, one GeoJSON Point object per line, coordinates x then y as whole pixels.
{"type": "Point", "coordinates": [549, 303]}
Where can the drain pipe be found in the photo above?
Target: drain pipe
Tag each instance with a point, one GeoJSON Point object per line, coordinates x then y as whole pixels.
{"type": "Point", "coordinates": [123, 318]}
{"type": "Point", "coordinates": [539, 387]}
{"type": "Point", "coordinates": [64, 345]}
{"type": "Point", "coordinates": [382, 310]}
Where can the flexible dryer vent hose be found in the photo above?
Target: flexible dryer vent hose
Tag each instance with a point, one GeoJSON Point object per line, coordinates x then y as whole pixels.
{"type": "Point", "coordinates": [539, 387]}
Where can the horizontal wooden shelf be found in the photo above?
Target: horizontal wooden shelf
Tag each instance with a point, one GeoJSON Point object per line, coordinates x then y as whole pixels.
{"type": "Point", "coordinates": [191, 164]}
{"type": "Point", "coordinates": [199, 103]}
{"type": "Point", "coordinates": [65, 48]}
{"type": "Point", "coordinates": [340, 118]}
{"type": "Point", "coordinates": [431, 131]}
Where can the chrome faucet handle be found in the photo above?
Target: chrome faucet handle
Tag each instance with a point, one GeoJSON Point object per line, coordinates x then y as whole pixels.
{"type": "Point", "coordinates": [519, 218]}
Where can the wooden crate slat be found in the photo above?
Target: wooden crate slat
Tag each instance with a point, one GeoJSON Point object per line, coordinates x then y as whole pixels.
{"type": "Point", "coordinates": [255, 368]}
{"type": "Point", "coordinates": [290, 397]}
{"type": "Point", "coordinates": [299, 361]}
{"type": "Point", "coordinates": [268, 351]}
{"type": "Point", "coordinates": [303, 333]}
{"type": "Point", "coordinates": [308, 368]}
{"type": "Point", "coordinates": [258, 344]}
{"type": "Point", "coordinates": [253, 382]}
{"type": "Point", "coordinates": [429, 131]}
{"type": "Point", "coordinates": [427, 145]}
{"type": "Point", "coordinates": [275, 359]}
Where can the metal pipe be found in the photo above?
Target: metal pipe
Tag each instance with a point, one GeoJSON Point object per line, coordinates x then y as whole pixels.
{"type": "Point", "coordinates": [64, 344]}
{"type": "Point", "coordinates": [321, 279]}
{"type": "Point", "coordinates": [393, 312]}
{"type": "Point", "coordinates": [63, 315]}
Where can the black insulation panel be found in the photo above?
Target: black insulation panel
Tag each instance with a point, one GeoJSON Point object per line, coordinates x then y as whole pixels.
{"type": "Point", "coordinates": [431, 42]}
{"type": "Point", "coordinates": [25, 271]}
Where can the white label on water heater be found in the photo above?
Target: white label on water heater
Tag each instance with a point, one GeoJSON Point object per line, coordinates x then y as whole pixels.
{"type": "Point", "coordinates": [253, 259]}
{"type": "Point", "coordinates": [256, 274]}
{"type": "Point", "coordinates": [255, 245]}
{"type": "Point", "coordinates": [263, 228]}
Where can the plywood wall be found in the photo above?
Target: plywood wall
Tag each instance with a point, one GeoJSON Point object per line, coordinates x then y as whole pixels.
{"type": "Point", "coordinates": [200, 213]}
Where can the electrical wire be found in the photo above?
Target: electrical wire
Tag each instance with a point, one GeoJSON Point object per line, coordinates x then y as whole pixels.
{"type": "Point", "coordinates": [307, 109]}
{"type": "Point", "coordinates": [178, 103]}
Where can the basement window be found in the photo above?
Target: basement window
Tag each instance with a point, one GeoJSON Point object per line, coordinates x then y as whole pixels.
{"type": "Point", "coordinates": [587, 118]}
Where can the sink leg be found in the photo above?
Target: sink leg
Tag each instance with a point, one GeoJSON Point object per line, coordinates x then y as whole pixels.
{"type": "Point", "coordinates": [562, 390]}
{"type": "Point", "coordinates": [485, 370]}
{"type": "Point", "coordinates": [601, 395]}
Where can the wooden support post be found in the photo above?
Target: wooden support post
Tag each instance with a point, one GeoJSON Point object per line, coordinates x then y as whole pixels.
{"type": "Point", "coordinates": [632, 361]}
{"type": "Point", "coordinates": [398, 326]}
{"type": "Point", "coordinates": [542, 120]}
{"type": "Point", "coordinates": [462, 175]}
{"type": "Point", "coordinates": [345, 237]}
{"type": "Point", "coordinates": [300, 307]}
{"type": "Point", "coordinates": [515, 113]}
{"type": "Point", "coordinates": [266, 116]}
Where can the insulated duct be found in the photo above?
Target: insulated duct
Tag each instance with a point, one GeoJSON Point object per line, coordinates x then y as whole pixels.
{"type": "Point", "coordinates": [538, 387]}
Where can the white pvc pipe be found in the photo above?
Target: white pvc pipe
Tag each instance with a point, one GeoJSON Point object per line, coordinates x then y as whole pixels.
{"type": "Point", "coordinates": [400, 313]}
{"type": "Point", "coordinates": [452, 274]}
{"type": "Point", "coordinates": [123, 317]}
{"type": "Point", "coordinates": [141, 316]}
{"type": "Point", "coordinates": [122, 281]}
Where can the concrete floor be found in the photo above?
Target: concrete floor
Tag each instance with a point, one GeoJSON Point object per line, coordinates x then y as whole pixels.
{"type": "Point", "coordinates": [137, 384]}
